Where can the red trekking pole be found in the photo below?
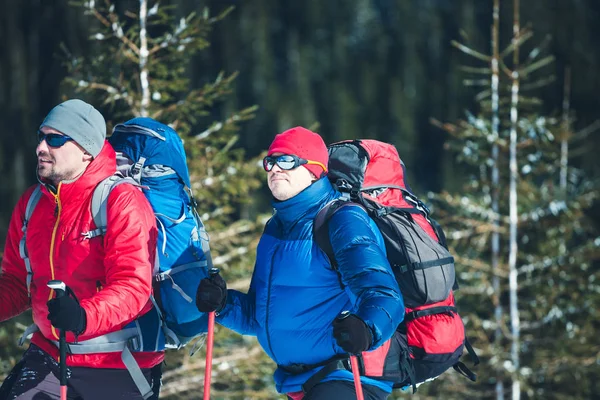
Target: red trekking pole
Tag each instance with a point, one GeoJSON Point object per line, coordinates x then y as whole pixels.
{"type": "Point", "coordinates": [356, 374]}
{"type": "Point", "coordinates": [354, 365]}
{"type": "Point", "coordinates": [209, 344]}
{"type": "Point", "coordinates": [61, 289]}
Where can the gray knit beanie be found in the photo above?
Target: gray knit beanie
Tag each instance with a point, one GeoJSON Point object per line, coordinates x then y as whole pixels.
{"type": "Point", "coordinates": [80, 121]}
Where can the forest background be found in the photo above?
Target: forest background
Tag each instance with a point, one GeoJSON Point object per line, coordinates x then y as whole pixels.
{"type": "Point", "coordinates": [504, 151]}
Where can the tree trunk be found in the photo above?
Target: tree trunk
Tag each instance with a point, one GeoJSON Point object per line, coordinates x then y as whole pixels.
{"type": "Point", "coordinates": [495, 189]}
{"type": "Point", "coordinates": [566, 129]}
{"type": "Point", "coordinates": [513, 217]}
{"type": "Point", "coordinates": [144, 82]}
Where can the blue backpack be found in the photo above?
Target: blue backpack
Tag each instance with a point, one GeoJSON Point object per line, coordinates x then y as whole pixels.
{"type": "Point", "coordinates": [152, 154]}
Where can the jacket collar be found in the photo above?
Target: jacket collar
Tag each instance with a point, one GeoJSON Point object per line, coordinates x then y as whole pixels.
{"type": "Point", "coordinates": [307, 203]}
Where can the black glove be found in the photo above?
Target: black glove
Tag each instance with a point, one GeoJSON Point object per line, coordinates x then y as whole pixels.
{"type": "Point", "coordinates": [352, 334]}
{"type": "Point", "coordinates": [211, 294]}
{"type": "Point", "coordinates": [66, 314]}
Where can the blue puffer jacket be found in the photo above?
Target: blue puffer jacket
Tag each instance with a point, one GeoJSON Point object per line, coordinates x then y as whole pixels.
{"type": "Point", "coordinates": [295, 295]}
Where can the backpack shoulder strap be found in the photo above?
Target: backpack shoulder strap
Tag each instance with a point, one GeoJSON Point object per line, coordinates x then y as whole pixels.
{"type": "Point", "coordinates": [321, 229]}
{"type": "Point", "coordinates": [321, 226]}
{"type": "Point", "coordinates": [100, 202]}
{"type": "Point", "coordinates": [442, 239]}
{"type": "Point", "coordinates": [31, 203]}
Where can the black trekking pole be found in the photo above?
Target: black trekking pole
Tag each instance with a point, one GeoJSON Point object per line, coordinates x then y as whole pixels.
{"type": "Point", "coordinates": [61, 289]}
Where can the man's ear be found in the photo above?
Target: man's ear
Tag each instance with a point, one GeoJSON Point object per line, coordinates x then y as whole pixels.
{"type": "Point", "coordinates": [87, 156]}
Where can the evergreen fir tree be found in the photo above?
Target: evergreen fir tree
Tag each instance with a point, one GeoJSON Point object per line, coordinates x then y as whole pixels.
{"type": "Point", "coordinates": [556, 242]}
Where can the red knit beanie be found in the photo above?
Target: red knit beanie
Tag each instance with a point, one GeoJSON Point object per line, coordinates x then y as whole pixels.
{"type": "Point", "coordinates": [305, 144]}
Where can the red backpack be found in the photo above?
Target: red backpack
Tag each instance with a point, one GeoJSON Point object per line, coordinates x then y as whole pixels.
{"type": "Point", "coordinates": [432, 336]}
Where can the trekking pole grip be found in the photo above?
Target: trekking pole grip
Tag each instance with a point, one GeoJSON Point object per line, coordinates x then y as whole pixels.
{"type": "Point", "coordinates": [60, 289]}
{"type": "Point", "coordinates": [353, 364]}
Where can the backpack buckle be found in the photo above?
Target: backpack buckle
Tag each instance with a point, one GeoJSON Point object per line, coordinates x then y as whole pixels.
{"type": "Point", "coordinates": [135, 169]}
{"type": "Point", "coordinates": [343, 185]}
{"type": "Point", "coordinates": [423, 207]}
{"type": "Point", "coordinates": [383, 211]}
{"type": "Point", "coordinates": [411, 316]}
{"type": "Point", "coordinates": [133, 343]}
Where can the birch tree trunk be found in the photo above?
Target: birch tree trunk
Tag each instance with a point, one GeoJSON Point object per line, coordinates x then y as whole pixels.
{"type": "Point", "coordinates": [513, 218]}
{"type": "Point", "coordinates": [564, 141]}
{"type": "Point", "coordinates": [495, 190]}
{"type": "Point", "coordinates": [144, 84]}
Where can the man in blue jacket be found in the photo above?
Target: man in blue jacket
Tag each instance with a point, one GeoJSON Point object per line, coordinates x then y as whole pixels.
{"type": "Point", "coordinates": [296, 297]}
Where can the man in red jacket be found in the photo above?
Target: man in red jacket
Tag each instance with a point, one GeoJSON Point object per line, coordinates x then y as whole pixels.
{"type": "Point", "coordinates": [110, 274]}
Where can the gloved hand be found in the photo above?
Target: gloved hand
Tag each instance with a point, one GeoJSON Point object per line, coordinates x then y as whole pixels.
{"type": "Point", "coordinates": [66, 314]}
{"type": "Point", "coordinates": [211, 294]}
{"type": "Point", "coordinates": [352, 334]}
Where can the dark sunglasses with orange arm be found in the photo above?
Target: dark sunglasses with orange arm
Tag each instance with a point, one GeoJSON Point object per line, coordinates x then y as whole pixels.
{"type": "Point", "coordinates": [288, 162]}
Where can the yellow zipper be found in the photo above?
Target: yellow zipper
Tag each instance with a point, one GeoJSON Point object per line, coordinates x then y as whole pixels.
{"type": "Point", "coordinates": [52, 242]}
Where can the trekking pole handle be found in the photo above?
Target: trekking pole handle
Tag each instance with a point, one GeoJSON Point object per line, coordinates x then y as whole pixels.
{"type": "Point", "coordinates": [60, 289]}
{"type": "Point", "coordinates": [213, 271]}
{"type": "Point", "coordinates": [58, 286]}
{"type": "Point", "coordinates": [354, 364]}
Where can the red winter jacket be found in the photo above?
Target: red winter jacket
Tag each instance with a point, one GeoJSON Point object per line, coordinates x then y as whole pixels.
{"type": "Point", "coordinates": [111, 275]}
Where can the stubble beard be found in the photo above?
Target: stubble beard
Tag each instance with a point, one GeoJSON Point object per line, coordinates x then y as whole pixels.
{"type": "Point", "coordinates": [50, 173]}
{"type": "Point", "coordinates": [282, 190]}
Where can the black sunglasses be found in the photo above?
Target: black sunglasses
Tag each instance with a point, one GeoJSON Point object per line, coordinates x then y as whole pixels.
{"type": "Point", "coordinates": [53, 139]}
{"type": "Point", "coordinates": [287, 162]}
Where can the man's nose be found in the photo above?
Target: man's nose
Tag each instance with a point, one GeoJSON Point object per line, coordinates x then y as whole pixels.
{"type": "Point", "coordinates": [42, 146]}
{"type": "Point", "coordinates": [276, 170]}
